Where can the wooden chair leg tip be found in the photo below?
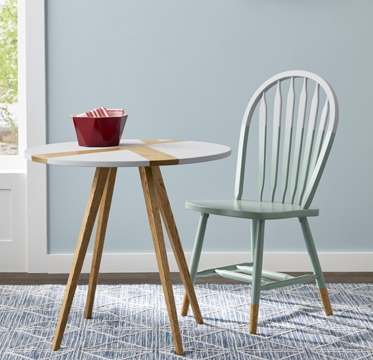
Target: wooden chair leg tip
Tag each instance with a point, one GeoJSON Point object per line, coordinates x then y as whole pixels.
{"type": "Point", "coordinates": [254, 312]}
{"type": "Point", "coordinates": [326, 301]}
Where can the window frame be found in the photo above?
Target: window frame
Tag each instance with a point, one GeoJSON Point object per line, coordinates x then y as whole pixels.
{"type": "Point", "coordinates": [32, 100]}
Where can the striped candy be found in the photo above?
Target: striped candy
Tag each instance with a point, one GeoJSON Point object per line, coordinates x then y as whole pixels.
{"type": "Point", "coordinates": [100, 112]}
{"type": "Point", "coordinates": [115, 112]}
{"type": "Point", "coordinates": [103, 112]}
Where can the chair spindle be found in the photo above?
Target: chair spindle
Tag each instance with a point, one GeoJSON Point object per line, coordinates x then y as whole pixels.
{"type": "Point", "coordinates": [309, 143]}
{"type": "Point", "coordinates": [320, 135]}
{"type": "Point", "coordinates": [262, 144]}
{"type": "Point", "coordinates": [287, 139]}
{"type": "Point", "coordinates": [298, 141]}
{"type": "Point", "coordinates": [276, 139]}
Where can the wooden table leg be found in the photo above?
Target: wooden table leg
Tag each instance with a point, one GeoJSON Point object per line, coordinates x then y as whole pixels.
{"type": "Point", "coordinates": [102, 221]}
{"type": "Point", "coordinates": [152, 208]}
{"type": "Point", "coordinates": [185, 305]}
{"type": "Point", "coordinates": [174, 238]}
{"type": "Point", "coordinates": [93, 204]}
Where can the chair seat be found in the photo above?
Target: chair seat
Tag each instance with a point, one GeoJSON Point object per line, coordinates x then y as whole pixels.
{"type": "Point", "coordinates": [259, 210]}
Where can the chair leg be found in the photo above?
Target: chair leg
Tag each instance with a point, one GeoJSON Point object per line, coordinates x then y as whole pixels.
{"type": "Point", "coordinates": [196, 255]}
{"type": "Point", "coordinates": [257, 273]}
{"type": "Point", "coordinates": [320, 281]}
{"type": "Point", "coordinates": [102, 221]}
{"type": "Point", "coordinates": [253, 229]}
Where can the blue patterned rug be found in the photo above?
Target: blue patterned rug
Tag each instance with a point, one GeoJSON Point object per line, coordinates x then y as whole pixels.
{"type": "Point", "coordinates": [131, 322]}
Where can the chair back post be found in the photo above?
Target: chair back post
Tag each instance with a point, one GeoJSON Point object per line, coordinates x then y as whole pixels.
{"type": "Point", "coordinates": [306, 174]}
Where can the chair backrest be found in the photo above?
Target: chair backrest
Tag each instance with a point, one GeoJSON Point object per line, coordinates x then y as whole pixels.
{"type": "Point", "coordinates": [315, 153]}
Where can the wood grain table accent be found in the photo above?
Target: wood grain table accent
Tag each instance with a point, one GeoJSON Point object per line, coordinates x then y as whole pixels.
{"type": "Point", "coordinates": [129, 153]}
{"type": "Point", "coordinates": [155, 157]}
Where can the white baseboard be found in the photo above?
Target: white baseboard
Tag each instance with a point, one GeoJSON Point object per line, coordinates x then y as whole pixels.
{"type": "Point", "coordinates": [127, 263]}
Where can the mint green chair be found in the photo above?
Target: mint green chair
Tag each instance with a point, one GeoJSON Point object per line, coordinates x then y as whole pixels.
{"type": "Point", "coordinates": [308, 161]}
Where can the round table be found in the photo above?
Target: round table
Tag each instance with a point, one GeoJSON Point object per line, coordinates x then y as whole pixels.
{"type": "Point", "coordinates": [147, 155]}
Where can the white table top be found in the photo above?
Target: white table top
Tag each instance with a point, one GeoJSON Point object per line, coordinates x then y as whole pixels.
{"type": "Point", "coordinates": [129, 153]}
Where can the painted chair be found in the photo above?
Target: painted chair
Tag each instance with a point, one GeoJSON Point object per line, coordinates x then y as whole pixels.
{"type": "Point", "coordinates": [308, 161]}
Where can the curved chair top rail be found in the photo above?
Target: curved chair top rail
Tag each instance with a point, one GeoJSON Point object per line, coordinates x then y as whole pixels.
{"type": "Point", "coordinates": [311, 170]}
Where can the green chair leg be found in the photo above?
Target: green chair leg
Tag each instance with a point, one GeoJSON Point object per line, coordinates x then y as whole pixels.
{"type": "Point", "coordinates": [320, 281]}
{"type": "Point", "coordinates": [258, 240]}
{"type": "Point", "coordinates": [196, 255]}
{"type": "Point", "coordinates": [254, 229]}
{"type": "Point", "coordinates": [312, 252]}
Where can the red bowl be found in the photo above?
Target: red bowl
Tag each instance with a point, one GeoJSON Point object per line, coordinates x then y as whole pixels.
{"type": "Point", "coordinates": [100, 131]}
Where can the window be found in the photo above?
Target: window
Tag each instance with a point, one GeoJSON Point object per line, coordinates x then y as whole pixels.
{"type": "Point", "coordinates": [12, 117]}
{"type": "Point", "coordinates": [8, 78]}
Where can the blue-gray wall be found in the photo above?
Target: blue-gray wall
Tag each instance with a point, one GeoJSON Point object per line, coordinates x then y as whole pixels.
{"type": "Point", "coordinates": [185, 69]}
